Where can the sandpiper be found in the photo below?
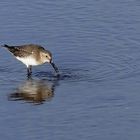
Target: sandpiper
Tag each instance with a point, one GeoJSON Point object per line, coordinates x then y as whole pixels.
{"type": "Point", "coordinates": [31, 55]}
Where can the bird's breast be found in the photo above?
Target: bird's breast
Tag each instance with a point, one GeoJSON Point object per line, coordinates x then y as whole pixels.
{"type": "Point", "coordinates": [28, 60]}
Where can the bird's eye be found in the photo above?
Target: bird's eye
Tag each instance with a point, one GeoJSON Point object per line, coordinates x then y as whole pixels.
{"type": "Point", "coordinates": [46, 56]}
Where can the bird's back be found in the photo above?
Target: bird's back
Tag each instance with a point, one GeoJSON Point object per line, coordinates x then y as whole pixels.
{"type": "Point", "coordinates": [25, 50]}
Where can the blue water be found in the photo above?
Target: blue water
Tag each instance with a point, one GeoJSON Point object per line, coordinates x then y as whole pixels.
{"type": "Point", "coordinates": [96, 45]}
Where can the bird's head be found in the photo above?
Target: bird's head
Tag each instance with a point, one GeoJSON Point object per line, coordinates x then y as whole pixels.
{"type": "Point", "coordinates": [46, 56]}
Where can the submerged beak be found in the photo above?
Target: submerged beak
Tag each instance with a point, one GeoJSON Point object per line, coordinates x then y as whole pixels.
{"type": "Point", "coordinates": [55, 67]}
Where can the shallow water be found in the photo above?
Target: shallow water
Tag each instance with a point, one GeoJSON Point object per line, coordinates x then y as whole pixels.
{"type": "Point", "coordinates": [96, 46]}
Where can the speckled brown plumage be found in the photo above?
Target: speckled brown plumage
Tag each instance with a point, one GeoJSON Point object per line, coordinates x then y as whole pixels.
{"type": "Point", "coordinates": [25, 50]}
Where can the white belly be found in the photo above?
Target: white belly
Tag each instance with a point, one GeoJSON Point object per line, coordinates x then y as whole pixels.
{"type": "Point", "coordinates": [28, 60]}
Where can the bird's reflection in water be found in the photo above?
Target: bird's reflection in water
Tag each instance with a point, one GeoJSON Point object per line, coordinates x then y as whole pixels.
{"type": "Point", "coordinates": [34, 91]}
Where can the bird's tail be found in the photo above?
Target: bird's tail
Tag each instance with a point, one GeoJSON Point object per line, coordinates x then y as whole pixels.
{"type": "Point", "coordinates": [5, 46]}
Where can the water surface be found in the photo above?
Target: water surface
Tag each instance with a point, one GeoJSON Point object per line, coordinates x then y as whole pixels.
{"type": "Point", "coordinates": [96, 46]}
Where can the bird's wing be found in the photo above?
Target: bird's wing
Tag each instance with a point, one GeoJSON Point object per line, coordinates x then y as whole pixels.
{"type": "Point", "coordinates": [18, 52]}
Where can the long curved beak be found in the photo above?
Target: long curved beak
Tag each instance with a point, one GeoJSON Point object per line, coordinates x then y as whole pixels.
{"type": "Point", "coordinates": [55, 67]}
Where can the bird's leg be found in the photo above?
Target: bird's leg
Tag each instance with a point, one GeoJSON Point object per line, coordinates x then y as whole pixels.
{"type": "Point", "coordinates": [29, 70]}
